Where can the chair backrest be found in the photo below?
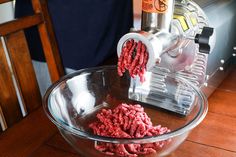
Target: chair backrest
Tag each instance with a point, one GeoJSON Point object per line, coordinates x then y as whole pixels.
{"type": "Point", "coordinates": [19, 91]}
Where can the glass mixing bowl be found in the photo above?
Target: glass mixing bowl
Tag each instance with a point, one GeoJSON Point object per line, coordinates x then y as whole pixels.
{"type": "Point", "coordinates": [73, 102]}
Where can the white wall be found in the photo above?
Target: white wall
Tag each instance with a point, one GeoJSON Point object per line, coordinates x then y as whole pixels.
{"type": "Point", "coordinates": [6, 12]}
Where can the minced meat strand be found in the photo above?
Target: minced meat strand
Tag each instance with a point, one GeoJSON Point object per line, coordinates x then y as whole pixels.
{"type": "Point", "coordinates": [133, 57]}
{"type": "Point", "coordinates": [126, 121]}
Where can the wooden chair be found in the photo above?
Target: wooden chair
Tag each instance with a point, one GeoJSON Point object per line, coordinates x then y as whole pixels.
{"type": "Point", "coordinates": [23, 123]}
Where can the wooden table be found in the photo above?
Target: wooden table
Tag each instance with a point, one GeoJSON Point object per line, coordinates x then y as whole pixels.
{"type": "Point", "coordinates": [214, 137]}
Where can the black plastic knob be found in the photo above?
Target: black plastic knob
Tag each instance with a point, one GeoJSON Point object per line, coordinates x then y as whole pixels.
{"type": "Point", "coordinates": [203, 39]}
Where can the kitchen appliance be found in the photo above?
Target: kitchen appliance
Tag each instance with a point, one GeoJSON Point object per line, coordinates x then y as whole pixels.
{"type": "Point", "coordinates": [179, 40]}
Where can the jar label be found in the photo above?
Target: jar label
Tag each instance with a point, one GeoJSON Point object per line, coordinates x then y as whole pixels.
{"type": "Point", "coordinates": [155, 6]}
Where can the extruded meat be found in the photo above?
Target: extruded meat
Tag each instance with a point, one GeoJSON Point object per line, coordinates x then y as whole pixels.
{"type": "Point", "coordinates": [126, 121]}
{"type": "Point", "coordinates": [134, 57]}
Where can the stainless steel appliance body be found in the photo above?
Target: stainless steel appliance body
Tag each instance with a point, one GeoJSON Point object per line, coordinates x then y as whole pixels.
{"type": "Point", "coordinates": [170, 33]}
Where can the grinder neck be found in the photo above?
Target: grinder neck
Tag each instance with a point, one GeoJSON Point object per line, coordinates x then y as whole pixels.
{"type": "Point", "coordinates": [157, 15]}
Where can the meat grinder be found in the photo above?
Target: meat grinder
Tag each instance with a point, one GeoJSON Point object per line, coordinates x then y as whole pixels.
{"type": "Point", "coordinates": [178, 40]}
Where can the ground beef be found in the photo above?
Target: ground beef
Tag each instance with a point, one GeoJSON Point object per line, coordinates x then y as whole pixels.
{"type": "Point", "coordinates": [134, 57]}
{"type": "Point", "coordinates": [126, 121]}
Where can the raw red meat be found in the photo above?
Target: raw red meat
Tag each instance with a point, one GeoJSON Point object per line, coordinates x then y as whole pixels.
{"type": "Point", "coordinates": [134, 57]}
{"type": "Point", "coordinates": [126, 121]}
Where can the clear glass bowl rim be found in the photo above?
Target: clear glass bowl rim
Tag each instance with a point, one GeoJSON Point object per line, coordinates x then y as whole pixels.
{"type": "Point", "coordinates": [148, 139]}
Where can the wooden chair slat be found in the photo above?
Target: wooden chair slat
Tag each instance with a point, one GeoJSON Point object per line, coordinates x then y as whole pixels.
{"type": "Point", "coordinates": [49, 43]}
{"type": "Point", "coordinates": [19, 24]}
{"type": "Point", "coordinates": [18, 70]}
{"type": "Point", "coordinates": [8, 98]}
{"type": "Point", "coordinates": [5, 1]}
{"type": "Point", "coordinates": [23, 69]}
